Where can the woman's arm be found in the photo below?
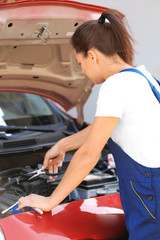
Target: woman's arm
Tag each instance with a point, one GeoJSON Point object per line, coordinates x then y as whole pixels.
{"type": "Point", "coordinates": [81, 164]}
{"type": "Point", "coordinates": [55, 155]}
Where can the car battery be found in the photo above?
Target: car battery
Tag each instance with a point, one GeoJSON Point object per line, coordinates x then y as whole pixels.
{"type": "Point", "coordinates": [97, 185]}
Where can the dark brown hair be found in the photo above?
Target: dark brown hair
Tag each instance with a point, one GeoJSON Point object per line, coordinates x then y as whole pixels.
{"type": "Point", "coordinates": [108, 34]}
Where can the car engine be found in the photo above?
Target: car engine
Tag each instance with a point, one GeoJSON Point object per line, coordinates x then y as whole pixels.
{"type": "Point", "coordinates": [15, 182]}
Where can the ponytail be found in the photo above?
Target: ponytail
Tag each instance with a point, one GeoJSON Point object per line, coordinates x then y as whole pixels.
{"type": "Point", "coordinates": [108, 34]}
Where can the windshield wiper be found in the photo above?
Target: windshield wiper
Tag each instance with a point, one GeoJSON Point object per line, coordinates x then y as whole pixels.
{"type": "Point", "coordinates": [11, 129]}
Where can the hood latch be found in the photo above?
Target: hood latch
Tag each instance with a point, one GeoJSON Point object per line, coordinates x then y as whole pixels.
{"type": "Point", "coordinates": [44, 31]}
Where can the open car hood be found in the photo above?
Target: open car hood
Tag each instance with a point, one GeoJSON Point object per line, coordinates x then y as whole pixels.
{"type": "Point", "coordinates": [35, 51]}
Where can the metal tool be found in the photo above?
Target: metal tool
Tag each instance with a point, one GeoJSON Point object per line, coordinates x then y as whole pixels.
{"type": "Point", "coordinates": [38, 210]}
{"type": "Point", "coordinates": [38, 172]}
{"type": "Point", "coordinates": [12, 206]}
{"type": "Point", "coordinates": [6, 210]}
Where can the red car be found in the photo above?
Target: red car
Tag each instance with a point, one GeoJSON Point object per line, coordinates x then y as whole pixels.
{"type": "Point", "coordinates": [38, 70]}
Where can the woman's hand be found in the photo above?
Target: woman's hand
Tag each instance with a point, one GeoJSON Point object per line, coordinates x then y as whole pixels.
{"type": "Point", "coordinates": [53, 159]}
{"type": "Point", "coordinates": [55, 156]}
{"type": "Point", "coordinates": [33, 200]}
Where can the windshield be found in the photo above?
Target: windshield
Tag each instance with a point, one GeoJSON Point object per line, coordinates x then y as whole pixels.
{"type": "Point", "coordinates": [24, 109]}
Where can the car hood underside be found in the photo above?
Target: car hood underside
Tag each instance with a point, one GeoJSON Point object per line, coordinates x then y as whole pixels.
{"type": "Point", "coordinates": [35, 51]}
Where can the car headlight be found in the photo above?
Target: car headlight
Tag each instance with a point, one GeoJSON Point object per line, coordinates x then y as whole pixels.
{"type": "Point", "coordinates": [2, 237]}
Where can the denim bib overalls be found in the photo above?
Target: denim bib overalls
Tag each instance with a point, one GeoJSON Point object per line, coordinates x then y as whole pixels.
{"type": "Point", "coordinates": [139, 191]}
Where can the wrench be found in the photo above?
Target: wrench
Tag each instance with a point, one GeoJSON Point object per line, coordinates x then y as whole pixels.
{"type": "Point", "coordinates": [6, 210]}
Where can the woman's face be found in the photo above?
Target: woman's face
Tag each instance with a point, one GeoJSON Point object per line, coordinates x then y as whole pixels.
{"type": "Point", "coordinates": [89, 67]}
{"type": "Point", "coordinates": [99, 67]}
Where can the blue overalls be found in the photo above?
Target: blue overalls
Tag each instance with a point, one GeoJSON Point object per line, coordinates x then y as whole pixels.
{"type": "Point", "coordinates": [139, 191]}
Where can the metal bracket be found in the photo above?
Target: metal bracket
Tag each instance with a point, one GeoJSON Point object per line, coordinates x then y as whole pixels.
{"type": "Point", "coordinates": [44, 28]}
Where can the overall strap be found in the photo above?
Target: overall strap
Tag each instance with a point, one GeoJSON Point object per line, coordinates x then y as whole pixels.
{"type": "Point", "coordinates": [155, 91]}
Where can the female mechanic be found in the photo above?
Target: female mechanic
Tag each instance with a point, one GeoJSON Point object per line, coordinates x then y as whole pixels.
{"type": "Point", "coordinates": [127, 116]}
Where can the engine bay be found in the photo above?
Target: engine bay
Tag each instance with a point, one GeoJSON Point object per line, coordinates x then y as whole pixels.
{"type": "Point", "coordinates": [15, 182]}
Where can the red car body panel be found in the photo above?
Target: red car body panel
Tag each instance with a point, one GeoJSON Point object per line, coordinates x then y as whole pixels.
{"type": "Point", "coordinates": [28, 8]}
{"type": "Point", "coordinates": [94, 218]}
{"type": "Point", "coordinates": [54, 2]}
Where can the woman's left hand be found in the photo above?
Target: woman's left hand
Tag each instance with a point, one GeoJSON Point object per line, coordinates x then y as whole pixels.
{"type": "Point", "coordinates": [35, 201]}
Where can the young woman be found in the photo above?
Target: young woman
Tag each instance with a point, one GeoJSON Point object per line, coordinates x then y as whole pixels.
{"type": "Point", "coordinates": [127, 116]}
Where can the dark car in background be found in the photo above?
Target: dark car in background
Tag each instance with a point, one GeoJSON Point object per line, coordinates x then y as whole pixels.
{"type": "Point", "coordinates": [40, 81]}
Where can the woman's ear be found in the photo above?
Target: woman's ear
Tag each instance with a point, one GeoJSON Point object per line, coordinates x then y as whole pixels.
{"type": "Point", "coordinates": [92, 55]}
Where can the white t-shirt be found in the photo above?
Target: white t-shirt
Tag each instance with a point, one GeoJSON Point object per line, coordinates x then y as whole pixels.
{"type": "Point", "coordinates": [128, 96]}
